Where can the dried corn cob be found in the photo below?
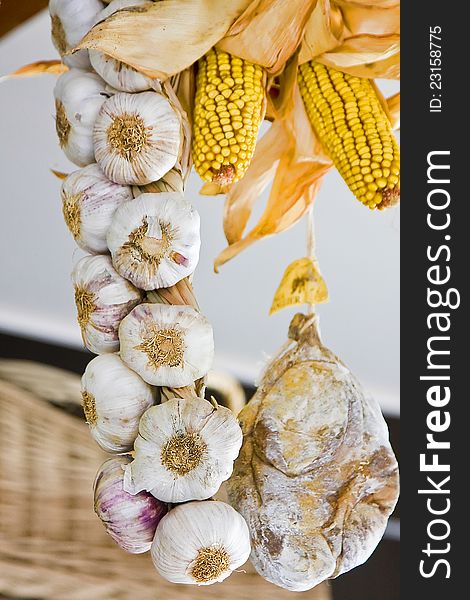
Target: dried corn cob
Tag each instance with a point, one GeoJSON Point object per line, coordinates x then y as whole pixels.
{"type": "Point", "coordinates": [351, 123]}
{"type": "Point", "coordinates": [228, 110]}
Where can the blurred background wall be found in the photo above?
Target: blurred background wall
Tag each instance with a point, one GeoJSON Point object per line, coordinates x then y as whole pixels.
{"type": "Point", "coordinates": [358, 250]}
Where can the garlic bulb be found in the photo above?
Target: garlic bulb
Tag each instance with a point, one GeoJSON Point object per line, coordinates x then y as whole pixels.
{"type": "Point", "coordinates": [89, 200]}
{"type": "Point", "coordinates": [70, 21]}
{"type": "Point", "coordinates": [200, 543]}
{"type": "Point", "coordinates": [130, 520]}
{"type": "Point", "coordinates": [119, 75]}
{"type": "Point", "coordinates": [137, 137]}
{"type": "Point", "coordinates": [184, 451]}
{"type": "Point", "coordinates": [154, 241]}
{"type": "Point", "coordinates": [114, 398]}
{"type": "Point", "coordinates": [78, 99]}
{"type": "Point", "coordinates": [103, 299]}
{"type": "Point", "coordinates": [167, 345]}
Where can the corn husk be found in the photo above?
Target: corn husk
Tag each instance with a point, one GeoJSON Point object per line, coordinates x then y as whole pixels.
{"type": "Point", "coordinates": [359, 38]}
{"type": "Point", "coordinates": [40, 67]}
{"type": "Point", "coordinates": [301, 283]}
{"type": "Point", "coordinates": [282, 25]}
{"type": "Point", "coordinates": [182, 30]}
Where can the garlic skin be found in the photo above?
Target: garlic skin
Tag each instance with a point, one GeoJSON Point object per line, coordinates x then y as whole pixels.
{"type": "Point", "coordinates": [114, 398]}
{"type": "Point", "coordinates": [130, 520]}
{"type": "Point", "coordinates": [117, 74]}
{"type": "Point", "coordinates": [200, 543]}
{"type": "Point", "coordinates": [137, 137]}
{"type": "Point", "coordinates": [184, 451]}
{"type": "Point", "coordinates": [103, 299]}
{"type": "Point", "coordinates": [155, 240]}
{"type": "Point", "coordinates": [78, 99]}
{"type": "Point", "coordinates": [167, 345]}
{"type": "Point", "coordinates": [120, 76]}
{"type": "Point", "coordinates": [70, 21]}
{"type": "Point", "coordinates": [89, 201]}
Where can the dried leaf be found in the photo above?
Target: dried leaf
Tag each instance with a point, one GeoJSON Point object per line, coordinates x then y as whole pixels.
{"type": "Point", "coordinates": [59, 174]}
{"type": "Point", "coordinates": [358, 37]}
{"type": "Point", "coordinates": [41, 67]}
{"type": "Point", "coordinates": [393, 104]}
{"type": "Point", "coordinates": [373, 18]}
{"type": "Point", "coordinates": [366, 56]}
{"type": "Point", "coordinates": [324, 31]}
{"type": "Point", "coordinates": [299, 165]}
{"type": "Point", "coordinates": [268, 32]}
{"type": "Point", "coordinates": [165, 38]}
{"type": "Point", "coordinates": [301, 283]}
{"type": "Point", "coordinates": [369, 3]}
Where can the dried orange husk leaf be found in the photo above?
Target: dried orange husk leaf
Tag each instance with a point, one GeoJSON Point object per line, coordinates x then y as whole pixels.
{"type": "Point", "coordinates": [373, 18]}
{"type": "Point", "coordinates": [393, 104]}
{"type": "Point", "coordinates": [301, 283]}
{"type": "Point", "coordinates": [242, 197]}
{"type": "Point", "coordinates": [301, 164]}
{"type": "Point", "coordinates": [41, 67]}
{"type": "Point", "coordinates": [166, 37]}
{"type": "Point", "coordinates": [268, 32]}
{"type": "Point", "coordinates": [366, 56]}
{"type": "Point", "coordinates": [59, 174]}
{"type": "Point", "coordinates": [324, 31]}
{"type": "Point", "coordinates": [369, 3]}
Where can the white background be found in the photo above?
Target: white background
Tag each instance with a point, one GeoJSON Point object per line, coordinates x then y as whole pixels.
{"type": "Point", "coordinates": [358, 250]}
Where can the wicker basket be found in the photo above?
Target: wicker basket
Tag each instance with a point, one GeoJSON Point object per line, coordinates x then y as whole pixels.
{"type": "Point", "coordinates": [51, 544]}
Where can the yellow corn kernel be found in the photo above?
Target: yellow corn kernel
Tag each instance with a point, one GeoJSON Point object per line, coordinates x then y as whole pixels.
{"type": "Point", "coordinates": [229, 102]}
{"type": "Point", "coordinates": [350, 122]}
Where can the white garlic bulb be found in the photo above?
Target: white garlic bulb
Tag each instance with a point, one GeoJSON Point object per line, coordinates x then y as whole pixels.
{"type": "Point", "coordinates": [184, 451]}
{"type": "Point", "coordinates": [154, 240]}
{"type": "Point", "coordinates": [120, 76]}
{"type": "Point", "coordinates": [103, 298]}
{"type": "Point", "coordinates": [167, 345]}
{"type": "Point", "coordinates": [130, 520]}
{"type": "Point", "coordinates": [114, 398]}
{"type": "Point", "coordinates": [200, 543]}
{"type": "Point", "coordinates": [70, 21]}
{"type": "Point", "coordinates": [89, 200]}
{"type": "Point", "coordinates": [137, 137]}
{"type": "Point", "coordinates": [78, 99]}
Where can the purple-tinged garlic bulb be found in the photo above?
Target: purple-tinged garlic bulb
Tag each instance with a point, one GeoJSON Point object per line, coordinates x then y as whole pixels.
{"type": "Point", "coordinates": [130, 520]}
{"type": "Point", "coordinates": [103, 298]}
{"type": "Point", "coordinates": [154, 240]}
{"type": "Point", "coordinates": [89, 201]}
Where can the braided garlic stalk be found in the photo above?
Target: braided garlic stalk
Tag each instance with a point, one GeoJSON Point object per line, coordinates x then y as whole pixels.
{"type": "Point", "coordinates": [137, 310]}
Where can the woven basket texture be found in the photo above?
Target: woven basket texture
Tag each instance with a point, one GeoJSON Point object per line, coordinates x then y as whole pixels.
{"type": "Point", "coordinates": [52, 546]}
